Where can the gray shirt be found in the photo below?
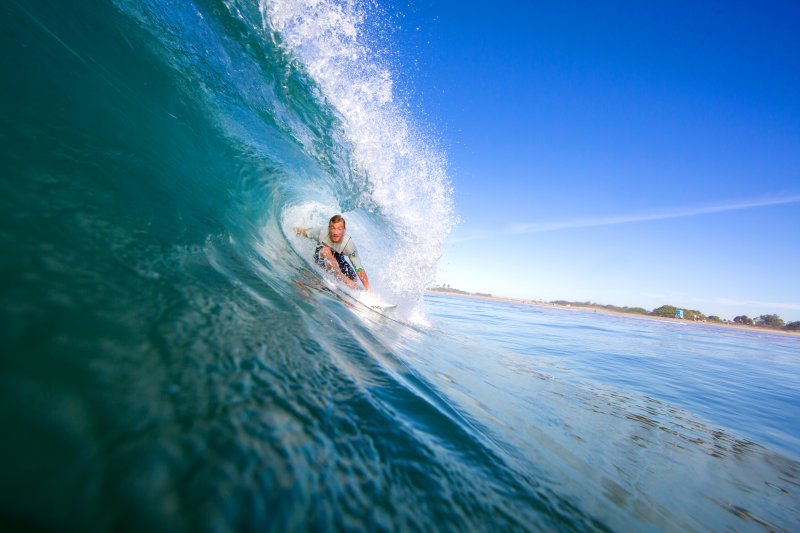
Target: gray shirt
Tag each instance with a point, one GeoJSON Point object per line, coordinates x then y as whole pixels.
{"type": "Point", "coordinates": [346, 246]}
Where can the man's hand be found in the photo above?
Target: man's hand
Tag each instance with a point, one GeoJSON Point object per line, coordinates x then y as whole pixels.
{"type": "Point", "coordinates": [300, 231]}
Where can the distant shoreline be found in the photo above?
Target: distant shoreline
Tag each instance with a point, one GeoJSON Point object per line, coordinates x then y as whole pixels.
{"type": "Point", "coordinates": [598, 309]}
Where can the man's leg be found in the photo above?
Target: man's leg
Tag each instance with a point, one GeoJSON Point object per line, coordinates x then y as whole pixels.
{"type": "Point", "coordinates": [344, 266]}
{"type": "Point", "coordinates": [332, 265]}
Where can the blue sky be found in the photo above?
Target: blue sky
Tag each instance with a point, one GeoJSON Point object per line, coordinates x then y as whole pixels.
{"type": "Point", "coordinates": [626, 153]}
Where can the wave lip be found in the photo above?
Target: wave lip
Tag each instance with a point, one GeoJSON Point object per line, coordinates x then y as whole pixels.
{"type": "Point", "coordinates": [404, 176]}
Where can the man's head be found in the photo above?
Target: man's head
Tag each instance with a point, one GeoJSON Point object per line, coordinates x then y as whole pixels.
{"type": "Point", "coordinates": [336, 228]}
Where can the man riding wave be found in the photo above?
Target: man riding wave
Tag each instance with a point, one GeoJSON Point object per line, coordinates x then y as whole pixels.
{"type": "Point", "coordinates": [333, 250]}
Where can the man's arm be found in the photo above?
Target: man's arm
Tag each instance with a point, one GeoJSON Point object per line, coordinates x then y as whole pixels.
{"type": "Point", "coordinates": [362, 275]}
{"type": "Point", "coordinates": [355, 260]}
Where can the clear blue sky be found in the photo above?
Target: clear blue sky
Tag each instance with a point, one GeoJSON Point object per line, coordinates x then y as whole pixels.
{"type": "Point", "coordinates": [627, 153]}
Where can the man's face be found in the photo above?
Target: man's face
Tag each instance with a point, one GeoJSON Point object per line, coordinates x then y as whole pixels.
{"type": "Point", "coordinates": [336, 231]}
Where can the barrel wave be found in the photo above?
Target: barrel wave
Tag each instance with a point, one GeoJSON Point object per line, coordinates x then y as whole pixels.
{"type": "Point", "coordinates": [172, 360]}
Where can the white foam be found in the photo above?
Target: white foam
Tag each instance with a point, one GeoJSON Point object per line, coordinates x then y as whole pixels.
{"type": "Point", "coordinates": [407, 178]}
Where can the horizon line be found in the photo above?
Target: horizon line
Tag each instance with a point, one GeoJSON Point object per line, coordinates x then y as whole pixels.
{"type": "Point", "coordinates": [665, 214]}
{"type": "Point", "coordinates": [718, 301]}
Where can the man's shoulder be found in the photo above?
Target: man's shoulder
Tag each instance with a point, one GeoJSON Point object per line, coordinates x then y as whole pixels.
{"type": "Point", "coordinates": [350, 245]}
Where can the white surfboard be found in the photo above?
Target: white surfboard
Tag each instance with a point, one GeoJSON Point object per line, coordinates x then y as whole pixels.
{"type": "Point", "coordinates": [373, 301]}
{"type": "Point", "coordinates": [366, 298]}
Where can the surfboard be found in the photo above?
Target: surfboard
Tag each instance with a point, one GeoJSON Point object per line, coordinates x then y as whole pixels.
{"type": "Point", "coordinates": [367, 299]}
{"type": "Point", "coordinates": [373, 301]}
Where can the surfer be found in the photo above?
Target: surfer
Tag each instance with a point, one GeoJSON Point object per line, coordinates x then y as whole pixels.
{"type": "Point", "coordinates": [334, 248]}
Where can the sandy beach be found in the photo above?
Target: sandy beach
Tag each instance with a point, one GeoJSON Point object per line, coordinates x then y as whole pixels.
{"type": "Point", "coordinates": [598, 309]}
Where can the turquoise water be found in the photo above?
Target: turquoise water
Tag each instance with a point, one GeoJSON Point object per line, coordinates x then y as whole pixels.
{"type": "Point", "coordinates": [172, 363]}
{"type": "Point", "coordinates": [644, 424]}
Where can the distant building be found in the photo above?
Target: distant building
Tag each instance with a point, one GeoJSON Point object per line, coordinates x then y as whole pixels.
{"type": "Point", "coordinates": [679, 313]}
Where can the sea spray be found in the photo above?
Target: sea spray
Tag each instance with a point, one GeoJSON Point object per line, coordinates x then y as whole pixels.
{"type": "Point", "coordinates": [404, 176]}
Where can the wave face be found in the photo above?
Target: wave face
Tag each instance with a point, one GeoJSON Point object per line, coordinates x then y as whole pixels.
{"type": "Point", "coordinates": [170, 363]}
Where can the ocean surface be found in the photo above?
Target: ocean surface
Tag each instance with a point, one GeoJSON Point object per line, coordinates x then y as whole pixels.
{"type": "Point", "coordinates": [172, 361]}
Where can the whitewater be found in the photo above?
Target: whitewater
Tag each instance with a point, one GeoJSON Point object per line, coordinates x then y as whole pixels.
{"type": "Point", "coordinates": [173, 361]}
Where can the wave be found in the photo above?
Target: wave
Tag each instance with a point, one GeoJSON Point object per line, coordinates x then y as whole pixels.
{"type": "Point", "coordinates": [300, 94]}
{"type": "Point", "coordinates": [313, 128]}
{"type": "Point", "coordinates": [172, 365]}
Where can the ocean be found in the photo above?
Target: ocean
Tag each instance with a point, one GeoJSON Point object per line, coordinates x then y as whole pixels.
{"type": "Point", "coordinates": [172, 361]}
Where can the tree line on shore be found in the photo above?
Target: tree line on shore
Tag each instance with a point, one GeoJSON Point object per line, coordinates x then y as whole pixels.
{"type": "Point", "coordinates": [668, 311]}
